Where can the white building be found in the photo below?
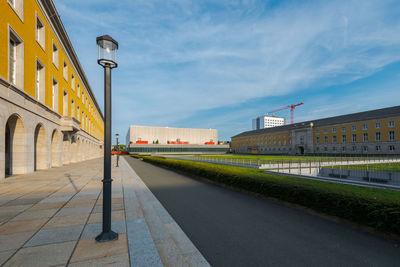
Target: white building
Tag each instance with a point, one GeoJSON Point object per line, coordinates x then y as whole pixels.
{"type": "Point", "coordinates": [267, 122]}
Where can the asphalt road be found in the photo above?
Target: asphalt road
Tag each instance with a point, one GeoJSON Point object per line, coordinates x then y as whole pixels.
{"type": "Point", "coordinates": [234, 229]}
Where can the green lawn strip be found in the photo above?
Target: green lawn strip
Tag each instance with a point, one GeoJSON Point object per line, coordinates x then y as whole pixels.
{"type": "Point", "coordinates": [377, 208]}
{"type": "Point", "coordinates": [381, 167]}
{"type": "Point", "coordinates": [271, 159]}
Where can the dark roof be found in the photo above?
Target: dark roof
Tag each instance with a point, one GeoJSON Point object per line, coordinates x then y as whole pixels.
{"type": "Point", "coordinates": [360, 116]}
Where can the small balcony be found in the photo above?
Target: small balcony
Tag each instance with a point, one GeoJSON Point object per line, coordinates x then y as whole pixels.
{"type": "Point", "coordinates": [69, 124]}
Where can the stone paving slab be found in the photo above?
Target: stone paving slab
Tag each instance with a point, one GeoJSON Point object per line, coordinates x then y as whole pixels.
{"type": "Point", "coordinates": [51, 217]}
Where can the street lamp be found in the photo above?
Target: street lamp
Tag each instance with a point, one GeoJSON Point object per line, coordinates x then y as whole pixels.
{"type": "Point", "coordinates": [107, 57]}
{"type": "Point", "coordinates": [116, 136]}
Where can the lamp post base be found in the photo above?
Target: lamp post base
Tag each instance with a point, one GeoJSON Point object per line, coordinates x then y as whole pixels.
{"type": "Point", "coordinates": [107, 236]}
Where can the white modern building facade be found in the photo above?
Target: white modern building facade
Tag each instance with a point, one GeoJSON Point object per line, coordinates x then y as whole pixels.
{"type": "Point", "coordinates": [265, 121]}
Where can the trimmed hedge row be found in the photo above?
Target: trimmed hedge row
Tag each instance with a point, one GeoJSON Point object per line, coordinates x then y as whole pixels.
{"type": "Point", "coordinates": [377, 208]}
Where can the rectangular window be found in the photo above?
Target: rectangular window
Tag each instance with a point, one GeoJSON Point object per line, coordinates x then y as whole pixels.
{"type": "Point", "coordinates": [365, 148]}
{"type": "Point", "coordinates": [325, 149]}
{"type": "Point", "coordinates": [18, 6]}
{"type": "Point", "coordinates": [325, 131]}
{"type": "Point", "coordinates": [334, 139]}
{"type": "Point", "coordinates": [391, 148]}
{"type": "Point", "coordinates": [316, 131]}
{"type": "Point", "coordinates": [325, 139]}
{"type": "Point", "coordinates": [72, 108]}
{"type": "Point", "coordinates": [343, 148]}
{"type": "Point", "coordinates": [40, 33]}
{"type": "Point", "coordinates": [354, 148]}
{"type": "Point", "coordinates": [55, 95]}
{"type": "Point", "coordinates": [334, 148]}
{"type": "Point", "coordinates": [65, 103]}
{"type": "Point", "coordinates": [343, 139]}
{"type": "Point", "coordinates": [365, 137]}
{"type": "Point", "coordinates": [73, 82]}
{"type": "Point", "coordinates": [65, 71]}
{"type": "Point", "coordinates": [377, 125]}
{"type": "Point", "coordinates": [354, 138]}
{"type": "Point", "coordinates": [333, 130]}
{"type": "Point", "coordinates": [40, 79]}
{"type": "Point", "coordinates": [365, 126]}
{"type": "Point", "coordinates": [353, 128]}
{"type": "Point", "coordinates": [391, 135]}
{"type": "Point", "coordinates": [317, 140]}
{"type": "Point", "coordinates": [378, 148]}
{"type": "Point", "coordinates": [343, 129]}
{"type": "Point", "coordinates": [78, 93]}
{"type": "Point", "coordinates": [377, 136]}
{"type": "Point", "coordinates": [391, 124]}
{"type": "Point", "coordinates": [55, 55]}
{"type": "Point", "coordinates": [15, 58]}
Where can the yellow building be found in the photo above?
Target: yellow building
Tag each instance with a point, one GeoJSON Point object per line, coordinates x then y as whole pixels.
{"type": "Point", "coordinates": [48, 113]}
{"type": "Point", "coordinates": [370, 132]}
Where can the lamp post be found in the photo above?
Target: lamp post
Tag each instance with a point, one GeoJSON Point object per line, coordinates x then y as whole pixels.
{"type": "Point", "coordinates": [107, 58]}
{"type": "Point", "coordinates": [116, 136]}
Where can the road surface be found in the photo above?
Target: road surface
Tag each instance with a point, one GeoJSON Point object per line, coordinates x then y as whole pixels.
{"type": "Point", "coordinates": [235, 229]}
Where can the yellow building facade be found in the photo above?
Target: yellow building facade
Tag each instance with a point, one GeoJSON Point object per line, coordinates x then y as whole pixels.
{"type": "Point", "coordinates": [369, 132]}
{"type": "Point", "coordinates": [48, 113]}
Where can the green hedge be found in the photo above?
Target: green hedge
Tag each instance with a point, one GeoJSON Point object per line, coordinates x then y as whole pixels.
{"type": "Point", "coordinates": [377, 208]}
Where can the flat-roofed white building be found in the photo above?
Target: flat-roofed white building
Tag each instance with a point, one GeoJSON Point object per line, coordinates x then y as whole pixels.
{"type": "Point", "coordinates": [170, 135]}
{"type": "Point", "coordinates": [267, 122]}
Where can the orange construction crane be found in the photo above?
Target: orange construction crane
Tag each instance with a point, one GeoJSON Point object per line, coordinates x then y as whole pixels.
{"type": "Point", "coordinates": [292, 107]}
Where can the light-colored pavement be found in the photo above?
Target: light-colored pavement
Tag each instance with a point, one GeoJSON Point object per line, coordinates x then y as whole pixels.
{"type": "Point", "coordinates": [51, 217]}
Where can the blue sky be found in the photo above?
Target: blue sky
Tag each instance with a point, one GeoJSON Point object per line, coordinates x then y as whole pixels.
{"type": "Point", "coordinates": [218, 64]}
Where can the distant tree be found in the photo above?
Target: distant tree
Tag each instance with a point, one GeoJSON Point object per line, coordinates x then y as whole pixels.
{"type": "Point", "coordinates": [157, 141]}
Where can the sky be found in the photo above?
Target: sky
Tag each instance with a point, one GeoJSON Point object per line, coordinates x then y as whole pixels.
{"type": "Point", "coordinates": [218, 64]}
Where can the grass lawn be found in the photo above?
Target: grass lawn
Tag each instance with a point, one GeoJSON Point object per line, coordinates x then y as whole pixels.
{"type": "Point", "coordinates": [268, 159]}
{"type": "Point", "coordinates": [381, 167]}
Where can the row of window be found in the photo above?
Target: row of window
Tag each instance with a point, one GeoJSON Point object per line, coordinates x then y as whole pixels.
{"type": "Point", "coordinates": [355, 148]}
{"type": "Point", "coordinates": [16, 71]}
{"type": "Point", "coordinates": [354, 128]}
{"type": "Point", "coordinates": [391, 137]}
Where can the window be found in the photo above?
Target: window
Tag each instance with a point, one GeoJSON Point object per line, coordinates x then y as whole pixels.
{"type": "Point", "coordinates": [353, 128]}
{"type": "Point", "coordinates": [40, 33]}
{"type": "Point", "coordinates": [317, 140]}
{"type": "Point", "coordinates": [18, 6]}
{"type": "Point", "coordinates": [334, 139]}
{"type": "Point", "coordinates": [343, 148]}
{"type": "Point", "coordinates": [365, 148]}
{"type": "Point", "coordinates": [78, 113]}
{"type": "Point", "coordinates": [365, 126]}
{"type": "Point", "coordinates": [72, 108]}
{"type": "Point", "coordinates": [83, 119]}
{"type": "Point", "coordinates": [343, 139]}
{"type": "Point", "coordinates": [65, 71]}
{"type": "Point", "coordinates": [343, 129]}
{"type": "Point", "coordinates": [55, 95]}
{"type": "Point", "coordinates": [391, 148]}
{"type": "Point", "coordinates": [378, 148]}
{"type": "Point", "coordinates": [391, 124]}
{"type": "Point", "coordinates": [333, 130]}
{"type": "Point", "coordinates": [65, 104]}
{"type": "Point", "coordinates": [377, 136]}
{"type": "Point", "coordinates": [73, 82]}
{"type": "Point", "coordinates": [40, 79]}
{"type": "Point", "coordinates": [55, 55]}
{"type": "Point", "coordinates": [377, 125]}
{"type": "Point", "coordinates": [16, 62]}
{"type": "Point", "coordinates": [354, 148]}
{"type": "Point", "coordinates": [325, 149]}
{"type": "Point", "coordinates": [391, 135]}
{"type": "Point", "coordinates": [78, 93]}
{"type": "Point", "coordinates": [365, 137]}
{"type": "Point", "coordinates": [316, 131]}
{"type": "Point", "coordinates": [325, 131]}
{"type": "Point", "coordinates": [325, 139]}
{"type": "Point", "coordinates": [354, 138]}
{"type": "Point", "coordinates": [334, 148]}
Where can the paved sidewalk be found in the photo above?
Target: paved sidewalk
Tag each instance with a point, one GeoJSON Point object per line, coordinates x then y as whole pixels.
{"type": "Point", "coordinates": [51, 217]}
